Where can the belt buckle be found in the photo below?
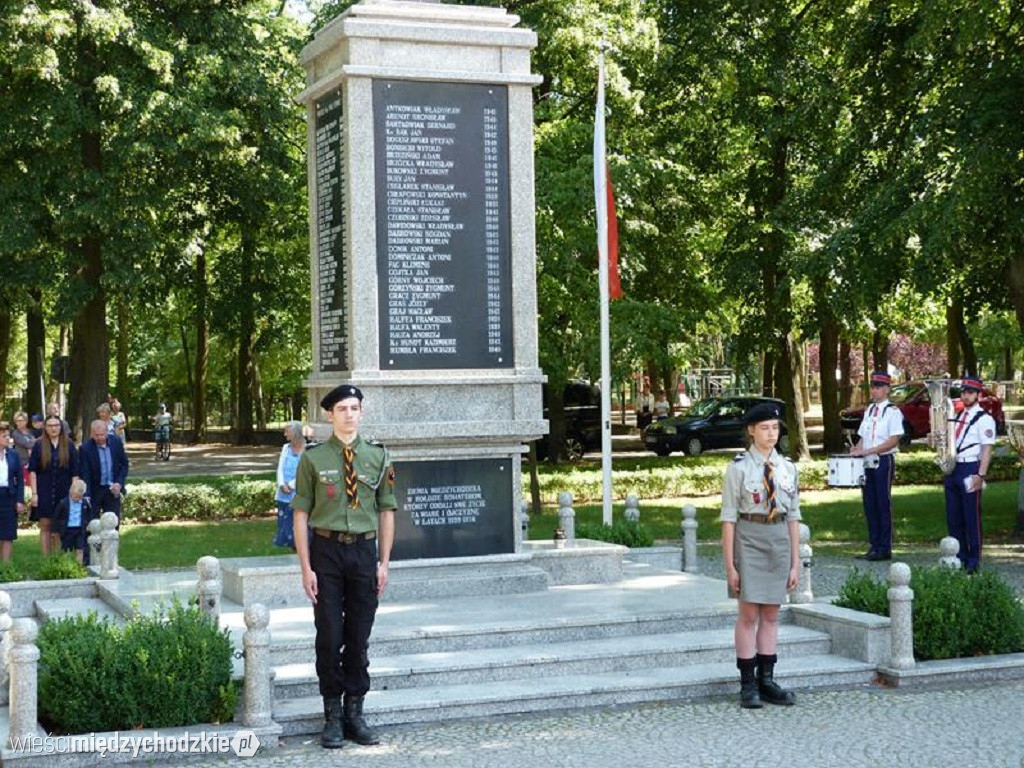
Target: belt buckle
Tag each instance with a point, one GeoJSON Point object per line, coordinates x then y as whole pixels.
{"type": "Point", "coordinates": [347, 538]}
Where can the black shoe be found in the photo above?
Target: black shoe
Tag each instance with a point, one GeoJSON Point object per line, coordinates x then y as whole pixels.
{"type": "Point", "coordinates": [749, 696]}
{"type": "Point", "coordinates": [355, 726]}
{"type": "Point", "coordinates": [866, 556]}
{"type": "Point", "coordinates": [769, 690]}
{"type": "Point", "coordinates": [332, 737]}
{"type": "Point", "coordinates": [876, 556]}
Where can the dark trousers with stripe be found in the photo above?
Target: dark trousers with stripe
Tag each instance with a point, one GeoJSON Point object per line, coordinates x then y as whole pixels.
{"type": "Point", "coordinates": [877, 494]}
{"type": "Point", "coordinates": [963, 514]}
{"type": "Point", "coordinates": [346, 604]}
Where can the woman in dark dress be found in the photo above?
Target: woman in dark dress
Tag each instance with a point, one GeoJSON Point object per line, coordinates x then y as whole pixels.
{"type": "Point", "coordinates": [12, 493]}
{"type": "Point", "coordinates": [52, 466]}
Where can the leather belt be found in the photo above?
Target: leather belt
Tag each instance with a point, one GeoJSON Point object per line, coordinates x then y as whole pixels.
{"type": "Point", "coordinates": [779, 518]}
{"type": "Point", "coordinates": [344, 537]}
{"type": "Point", "coordinates": [968, 461]}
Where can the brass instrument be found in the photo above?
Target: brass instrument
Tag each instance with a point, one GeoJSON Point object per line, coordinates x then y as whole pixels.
{"type": "Point", "coordinates": [1015, 436]}
{"type": "Point", "coordinates": [941, 415]}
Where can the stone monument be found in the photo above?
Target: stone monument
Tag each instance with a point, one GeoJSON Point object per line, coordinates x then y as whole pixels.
{"type": "Point", "coordinates": [420, 146]}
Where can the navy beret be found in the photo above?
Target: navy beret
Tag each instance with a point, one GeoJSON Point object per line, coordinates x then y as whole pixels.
{"type": "Point", "coordinates": [340, 393]}
{"type": "Point", "coordinates": [762, 412]}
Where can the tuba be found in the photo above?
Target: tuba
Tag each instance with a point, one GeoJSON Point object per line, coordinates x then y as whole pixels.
{"type": "Point", "coordinates": [941, 415]}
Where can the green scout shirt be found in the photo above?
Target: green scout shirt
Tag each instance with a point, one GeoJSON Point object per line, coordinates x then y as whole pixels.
{"type": "Point", "coordinates": [320, 486]}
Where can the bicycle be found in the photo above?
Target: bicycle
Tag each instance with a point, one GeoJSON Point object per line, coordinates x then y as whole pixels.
{"type": "Point", "coordinates": [162, 436]}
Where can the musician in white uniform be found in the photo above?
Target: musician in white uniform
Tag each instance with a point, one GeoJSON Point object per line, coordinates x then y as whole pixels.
{"type": "Point", "coordinates": [879, 441]}
{"type": "Point", "coordinates": [974, 434]}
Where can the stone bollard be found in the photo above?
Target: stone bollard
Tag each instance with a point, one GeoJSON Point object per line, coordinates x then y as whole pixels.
{"type": "Point", "coordinates": [566, 516]}
{"type": "Point", "coordinates": [949, 550]}
{"type": "Point", "coordinates": [689, 527]}
{"type": "Point", "coordinates": [259, 699]}
{"type": "Point", "coordinates": [209, 586]}
{"type": "Point", "coordinates": [901, 617]}
{"type": "Point", "coordinates": [23, 661]}
{"type": "Point", "coordinates": [803, 592]}
{"type": "Point", "coordinates": [5, 644]}
{"type": "Point", "coordinates": [109, 542]}
{"type": "Point", "coordinates": [632, 512]}
{"type": "Point", "coordinates": [95, 543]}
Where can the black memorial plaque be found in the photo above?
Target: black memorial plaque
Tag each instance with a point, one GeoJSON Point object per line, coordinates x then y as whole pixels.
{"type": "Point", "coordinates": [332, 282]}
{"type": "Point", "coordinates": [453, 508]}
{"type": "Point", "coordinates": [443, 232]}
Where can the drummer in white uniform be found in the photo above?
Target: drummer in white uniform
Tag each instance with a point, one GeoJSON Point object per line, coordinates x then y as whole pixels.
{"type": "Point", "coordinates": [880, 432]}
{"type": "Point", "coordinates": [760, 537]}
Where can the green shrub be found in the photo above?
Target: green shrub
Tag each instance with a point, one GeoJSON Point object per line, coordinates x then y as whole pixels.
{"type": "Point", "coordinates": [956, 615]}
{"type": "Point", "coordinates": [168, 669]}
{"type": "Point", "coordinates": [227, 499]}
{"type": "Point", "coordinates": [63, 565]}
{"type": "Point", "coordinates": [624, 532]}
{"type": "Point", "coordinates": [10, 572]}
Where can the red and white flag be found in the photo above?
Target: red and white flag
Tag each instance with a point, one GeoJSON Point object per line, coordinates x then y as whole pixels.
{"type": "Point", "coordinates": [604, 200]}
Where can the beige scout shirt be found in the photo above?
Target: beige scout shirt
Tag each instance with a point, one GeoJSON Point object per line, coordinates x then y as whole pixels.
{"type": "Point", "coordinates": [743, 491]}
{"type": "Point", "coordinates": [320, 486]}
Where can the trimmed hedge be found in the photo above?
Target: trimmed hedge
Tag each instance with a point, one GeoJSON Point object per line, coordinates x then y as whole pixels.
{"type": "Point", "coordinates": [956, 615]}
{"type": "Point", "coordinates": [168, 669]}
{"type": "Point", "coordinates": [227, 499]}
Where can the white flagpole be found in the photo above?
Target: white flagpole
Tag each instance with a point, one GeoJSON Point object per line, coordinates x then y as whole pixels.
{"type": "Point", "coordinates": [601, 204]}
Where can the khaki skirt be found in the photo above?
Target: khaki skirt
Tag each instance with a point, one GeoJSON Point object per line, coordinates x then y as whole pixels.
{"type": "Point", "coordinates": [762, 552]}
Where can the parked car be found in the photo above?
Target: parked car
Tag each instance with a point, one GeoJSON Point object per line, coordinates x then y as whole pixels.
{"type": "Point", "coordinates": [582, 402]}
{"type": "Point", "coordinates": [915, 404]}
{"type": "Point", "coordinates": [713, 423]}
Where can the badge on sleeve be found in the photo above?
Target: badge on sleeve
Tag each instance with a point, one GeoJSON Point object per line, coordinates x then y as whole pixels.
{"type": "Point", "coordinates": [757, 497]}
{"type": "Point", "coordinates": [391, 477]}
{"type": "Point", "coordinates": [988, 433]}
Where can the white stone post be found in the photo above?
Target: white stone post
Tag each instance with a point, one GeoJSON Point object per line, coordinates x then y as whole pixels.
{"type": "Point", "coordinates": [5, 644]}
{"type": "Point", "coordinates": [109, 543]}
{"type": "Point", "coordinates": [23, 660]}
{"type": "Point", "coordinates": [803, 592]}
{"type": "Point", "coordinates": [95, 544]}
{"type": "Point", "coordinates": [209, 586]}
{"type": "Point", "coordinates": [901, 617]}
{"type": "Point", "coordinates": [566, 516]}
{"type": "Point", "coordinates": [689, 528]}
{"type": "Point", "coordinates": [949, 551]}
{"type": "Point", "coordinates": [259, 698]}
{"type": "Point", "coordinates": [632, 512]}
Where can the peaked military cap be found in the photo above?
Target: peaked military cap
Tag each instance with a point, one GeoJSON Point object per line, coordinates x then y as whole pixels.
{"type": "Point", "coordinates": [762, 412]}
{"type": "Point", "coordinates": [970, 382]}
{"type": "Point", "coordinates": [340, 393]}
{"type": "Point", "coordinates": [881, 379]}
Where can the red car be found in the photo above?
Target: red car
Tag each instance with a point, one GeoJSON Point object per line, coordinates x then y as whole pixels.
{"type": "Point", "coordinates": [913, 401]}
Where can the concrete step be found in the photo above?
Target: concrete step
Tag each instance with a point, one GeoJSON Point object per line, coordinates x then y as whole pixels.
{"type": "Point", "coordinates": [613, 654]}
{"type": "Point", "coordinates": [47, 610]}
{"type": "Point", "coordinates": [544, 693]}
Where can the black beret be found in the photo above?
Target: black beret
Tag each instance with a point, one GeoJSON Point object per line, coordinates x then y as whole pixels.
{"type": "Point", "coordinates": [762, 412]}
{"type": "Point", "coordinates": [340, 393]}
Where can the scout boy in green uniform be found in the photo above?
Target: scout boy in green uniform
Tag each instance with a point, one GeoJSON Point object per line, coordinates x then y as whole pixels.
{"type": "Point", "coordinates": [344, 519]}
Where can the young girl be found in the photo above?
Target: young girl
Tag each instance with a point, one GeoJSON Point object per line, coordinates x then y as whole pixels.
{"type": "Point", "coordinates": [760, 540]}
{"type": "Point", "coordinates": [12, 493]}
{"type": "Point", "coordinates": [71, 517]}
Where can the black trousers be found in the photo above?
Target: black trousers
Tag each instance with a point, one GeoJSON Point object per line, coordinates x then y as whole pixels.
{"type": "Point", "coordinates": [346, 604]}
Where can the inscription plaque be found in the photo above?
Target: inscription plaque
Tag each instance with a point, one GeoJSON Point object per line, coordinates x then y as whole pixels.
{"type": "Point", "coordinates": [332, 280]}
{"type": "Point", "coordinates": [453, 508]}
{"type": "Point", "coordinates": [443, 231]}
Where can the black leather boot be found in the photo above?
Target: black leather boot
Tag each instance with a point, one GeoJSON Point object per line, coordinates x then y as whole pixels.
{"type": "Point", "coordinates": [332, 737]}
{"type": "Point", "coordinates": [771, 691]}
{"type": "Point", "coordinates": [356, 728]}
{"type": "Point", "coordinates": [749, 697]}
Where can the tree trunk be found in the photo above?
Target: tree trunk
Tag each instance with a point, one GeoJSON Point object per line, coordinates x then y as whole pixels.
{"type": "Point", "coordinates": [879, 350]}
{"type": "Point", "coordinates": [202, 349]}
{"type": "Point", "coordinates": [865, 386]}
{"type": "Point", "coordinates": [122, 343]}
{"type": "Point", "coordinates": [298, 398]}
{"type": "Point", "coordinates": [955, 317]}
{"type": "Point", "coordinates": [257, 396]}
{"type": "Point", "coordinates": [556, 421]}
{"type": "Point", "coordinates": [246, 342]}
{"type": "Point", "coordinates": [1015, 279]}
{"type": "Point", "coordinates": [805, 379]}
{"type": "Point", "coordinates": [952, 341]}
{"type": "Point", "coordinates": [830, 407]}
{"type": "Point", "coordinates": [845, 374]}
{"type": "Point", "coordinates": [90, 363]}
{"type": "Point", "coordinates": [35, 332]}
{"type": "Point", "coordinates": [1007, 364]}
{"type": "Point", "coordinates": [535, 506]}
{"type": "Point", "coordinates": [6, 329]}
{"type": "Point", "coordinates": [768, 374]}
{"type": "Point", "coordinates": [789, 382]}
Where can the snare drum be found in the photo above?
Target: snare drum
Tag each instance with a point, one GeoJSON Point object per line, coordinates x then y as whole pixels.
{"type": "Point", "coordinates": [845, 471]}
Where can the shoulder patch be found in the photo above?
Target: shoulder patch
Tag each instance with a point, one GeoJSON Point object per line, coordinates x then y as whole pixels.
{"type": "Point", "coordinates": [988, 433]}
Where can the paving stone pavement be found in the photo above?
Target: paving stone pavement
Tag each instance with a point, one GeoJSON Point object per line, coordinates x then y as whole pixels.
{"type": "Point", "coordinates": [971, 727]}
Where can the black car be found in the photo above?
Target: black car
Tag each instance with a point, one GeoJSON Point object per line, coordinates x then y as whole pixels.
{"type": "Point", "coordinates": [582, 402]}
{"type": "Point", "coordinates": [713, 423]}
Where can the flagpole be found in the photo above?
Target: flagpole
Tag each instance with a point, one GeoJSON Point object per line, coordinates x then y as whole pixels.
{"type": "Point", "coordinates": [601, 204]}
